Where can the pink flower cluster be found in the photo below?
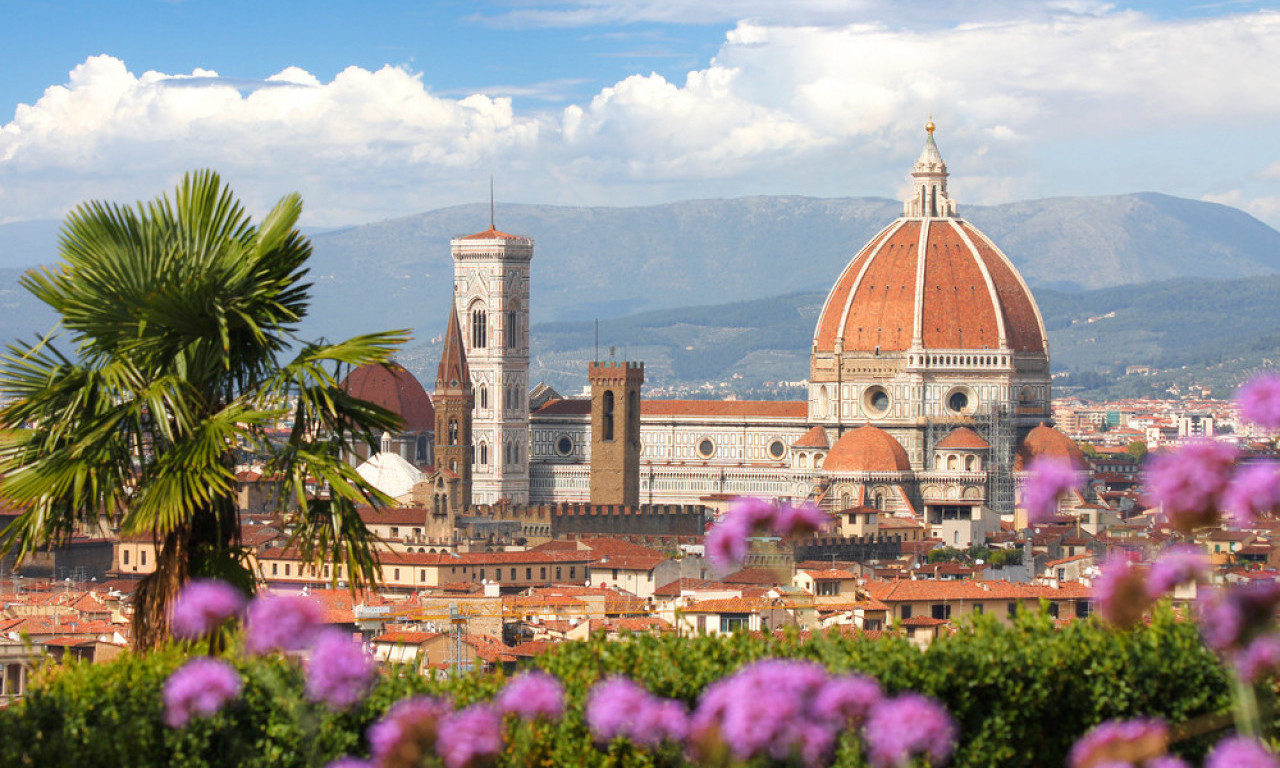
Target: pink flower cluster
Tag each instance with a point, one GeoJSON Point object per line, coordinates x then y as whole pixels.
{"type": "Point", "coordinates": [1123, 592]}
{"type": "Point", "coordinates": [780, 710]}
{"type": "Point", "coordinates": [1048, 477]}
{"type": "Point", "coordinates": [416, 728]}
{"type": "Point", "coordinates": [339, 672]}
{"type": "Point", "coordinates": [727, 541]}
{"type": "Point", "coordinates": [1141, 743]}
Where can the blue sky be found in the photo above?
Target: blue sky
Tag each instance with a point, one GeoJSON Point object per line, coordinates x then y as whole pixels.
{"type": "Point", "coordinates": [390, 108]}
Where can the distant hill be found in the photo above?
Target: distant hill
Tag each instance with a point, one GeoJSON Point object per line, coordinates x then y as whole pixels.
{"type": "Point", "coordinates": [1211, 333]}
{"type": "Point", "coordinates": [611, 263]}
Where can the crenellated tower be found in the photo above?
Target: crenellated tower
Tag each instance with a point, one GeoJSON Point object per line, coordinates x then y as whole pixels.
{"type": "Point", "coordinates": [615, 432]}
{"type": "Point", "coordinates": [491, 296]}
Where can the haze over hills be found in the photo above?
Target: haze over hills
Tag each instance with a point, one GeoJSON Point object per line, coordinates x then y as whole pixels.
{"type": "Point", "coordinates": [1190, 332]}
{"type": "Point", "coordinates": [612, 263]}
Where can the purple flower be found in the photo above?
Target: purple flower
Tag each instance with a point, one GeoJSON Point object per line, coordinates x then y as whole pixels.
{"type": "Point", "coordinates": [339, 672]}
{"type": "Point", "coordinates": [199, 687]}
{"type": "Point", "coordinates": [848, 699]}
{"type": "Point", "coordinates": [1178, 564]}
{"type": "Point", "coordinates": [726, 543]}
{"type": "Point", "coordinates": [1260, 401]}
{"type": "Point", "coordinates": [407, 732]}
{"type": "Point", "coordinates": [1120, 592]}
{"type": "Point", "coordinates": [1189, 482]}
{"type": "Point", "coordinates": [531, 695]}
{"type": "Point", "coordinates": [1240, 752]}
{"type": "Point", "coordinates": [753, 513]}
{"type": "Point", "coordinates": [621, 707]}
{"type": "Point", "coordinates": [1254, 491]}
{"type": "Point", "coordinates": [283, 622]}
{"type": "Point", "coordinates": [796, 520]}
{"type": "Point", "coordinates": [202, 606]}
{"type": "Point", "coordinates": [350, 762]}
{"type": "Point", "coordinates": [1166, 761]}
{"type": "Point", "coordinates": [1261, 658]}
{"type": "Point", "coordinates": [470, 736]}
{"type": "Point", "coordinates": [1123, 742]}
{"type": "Point", "coordinates": [1230, 618]}
{"type": "Point", "coordinates": [1047, 479]}
{"type": "Point", "coordinates": [767, 708]}
{"type": "Point", "coordinates": [908, 725]}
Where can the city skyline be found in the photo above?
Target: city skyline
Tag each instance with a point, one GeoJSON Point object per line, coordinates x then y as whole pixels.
{"type": "Point", "coordinates": [401, 108]}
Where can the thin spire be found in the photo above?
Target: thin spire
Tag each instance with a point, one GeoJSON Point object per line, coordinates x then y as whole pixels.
{"type": "Point", "coordinates": [453, 371]}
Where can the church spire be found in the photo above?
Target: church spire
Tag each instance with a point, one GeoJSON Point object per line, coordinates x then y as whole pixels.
{"type": "Point", "coordinates": [929, 196]}
{"type": "Point", "coordinates": [453, 372]}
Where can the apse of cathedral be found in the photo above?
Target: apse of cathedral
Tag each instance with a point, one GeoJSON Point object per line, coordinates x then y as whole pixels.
{"type": "Point", "coordinates": [929, 390]}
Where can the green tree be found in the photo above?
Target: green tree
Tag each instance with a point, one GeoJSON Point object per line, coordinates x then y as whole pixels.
{"type": "Point", "coordinates": [1137, 449]}
{"type": "Point", "coordinates": [183, 317]}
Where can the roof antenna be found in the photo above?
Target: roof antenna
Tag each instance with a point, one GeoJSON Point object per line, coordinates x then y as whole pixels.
{"type": "Point", "coordinates": [597, 339]}
{"type": "Point", "coordinates": [492, 225]}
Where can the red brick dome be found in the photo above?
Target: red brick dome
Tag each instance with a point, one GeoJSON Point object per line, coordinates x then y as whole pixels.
{"type": "Point", "coordinates": [930, 283]}
{"type": "Point", "coordinates": [963, 439]}
{"type": "Point", "coordinates": [397, 390]}
{"type": "Point", "coordinates": [867, 449]}
{"type": "Point", "coordinates": [1047, 441]}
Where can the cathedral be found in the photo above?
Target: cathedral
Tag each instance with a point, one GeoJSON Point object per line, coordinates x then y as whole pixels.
{"type": "Point", "coordinates": [929, 389]}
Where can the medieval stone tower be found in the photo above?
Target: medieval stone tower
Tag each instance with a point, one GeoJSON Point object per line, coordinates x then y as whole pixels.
{"type": "Point", "coordinates": [615, 432]}
{"type": "Point", "coordinates": [491, 295]}
{"type": "Point", "coordinates": [454, 401]}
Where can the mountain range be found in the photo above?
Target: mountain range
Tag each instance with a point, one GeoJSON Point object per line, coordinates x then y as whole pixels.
{"type": "Point", "coordinates": [719, 257]}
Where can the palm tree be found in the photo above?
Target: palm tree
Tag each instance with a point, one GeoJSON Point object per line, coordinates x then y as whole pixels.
{"type": "Point", "coordinates": [182, 316]}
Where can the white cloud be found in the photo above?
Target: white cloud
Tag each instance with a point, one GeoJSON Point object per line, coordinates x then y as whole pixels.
{"type": "Point", "coordinates": [1263, 207]}
{"type": "Point", "coordinates": [818, 109]}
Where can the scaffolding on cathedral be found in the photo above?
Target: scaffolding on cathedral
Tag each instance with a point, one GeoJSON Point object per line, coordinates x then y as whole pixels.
{"type": "Point", "coordinates": [994, 424]}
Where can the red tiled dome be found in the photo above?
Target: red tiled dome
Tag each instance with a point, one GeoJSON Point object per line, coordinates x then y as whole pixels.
{"type": "Point", "coordinates": [867, 449]}
{"type": "Point", "coordinates": [963, 439]}
{"type": "Point", "coordinates": [967, 295]}
{"type": "Point", "coordinates": [1047, 441]}
{"type": "Point", "coordinates": [397, 390]}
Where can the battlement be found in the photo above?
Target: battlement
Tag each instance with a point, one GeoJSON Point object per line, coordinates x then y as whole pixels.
{"type": "Point", "coordinates": [854, 548]}
{"type": "Point", "coordinates": [615, 372]}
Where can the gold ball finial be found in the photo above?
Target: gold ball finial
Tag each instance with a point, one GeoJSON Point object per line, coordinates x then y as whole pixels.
{"type": "Point", "coordinates": [929, 126]}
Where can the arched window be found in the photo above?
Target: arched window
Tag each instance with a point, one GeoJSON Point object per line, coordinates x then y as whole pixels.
{"type": "Point", "coordinates": [479, 328]}
{"type": "Point", "coordinates": [971, 463]}
{"type": "Point", "coordinates": [953, 462]}
{"type": "Point", "coordinates": [879, 501]}
{"type": "Point", "coordinates": [513, 327]}
{"type": "Point", "coordinates": [606, 416]}
{"type": "Point", "coordinates": [484, 396]}
{"type": "Point", "coordinates": [484, 454]}
{"type": "Point", "coordinates": [453, 431]}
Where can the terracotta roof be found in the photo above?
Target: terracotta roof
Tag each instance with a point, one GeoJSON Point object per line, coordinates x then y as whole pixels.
{"type": "Point", "coordinates": [492, 234]}
{"type": "Point", "coordinates": [816, 437]}
{"type": "Point", "coordinates": [1047, 441]}
{"type": "Point", "coordinates": [963, 438]}
{"type": "Point", "coordinates": [867, 449]}
{"type": "Point", "coordinates": [405, 638]}
{"type": "Point", "coordinates": [394, 388]}
{"type": "Point", "coordinates": [931, 590]}
{"type": "Point", "coordinates": [923, 621]}
{"type": "Point", "coordinates": [969, 293]}
{"type": "Point", "coordinates": [830, 573]}
{"type": "Point", "coordinates": [565, 407]}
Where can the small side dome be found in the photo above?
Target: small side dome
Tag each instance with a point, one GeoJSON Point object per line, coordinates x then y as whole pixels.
{"type": "Point", "coordinates": [963, 439]}
{"type": "Point", "coordinates": [816, 437]}
{"type": "Point", "coordinates": [1047, 441]}
{"type": "Point", "coordinates": [867, 449]}
{"type": "Point", "coordinates": [397, 390]}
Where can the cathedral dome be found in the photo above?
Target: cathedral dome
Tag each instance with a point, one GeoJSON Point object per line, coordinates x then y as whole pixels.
{"type": "Point", "coordinates": [1047, 441]}
{"type": "Point", "coordinates": [930, 281]}
{"type": "Point", "coordinates": [397, 390]}
{"type": "Point", "coordinates": [867, 449]}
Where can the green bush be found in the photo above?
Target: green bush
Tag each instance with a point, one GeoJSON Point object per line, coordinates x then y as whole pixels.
{"type": "Point", "coordinates": [1021, 694]}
